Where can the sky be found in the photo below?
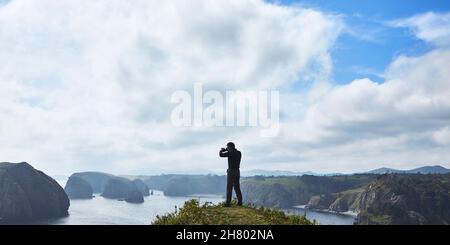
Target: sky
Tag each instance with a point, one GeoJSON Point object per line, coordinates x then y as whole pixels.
{"type": "Point", "coordinates": [368, 34]}
{"type": "Point", "coordinates": [87, 85]}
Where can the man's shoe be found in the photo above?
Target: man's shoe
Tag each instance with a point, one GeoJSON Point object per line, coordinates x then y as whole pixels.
{"type": "Point", "coordinates": [227, 205]}
{"type": "Point", "coordinates": [239, 204]}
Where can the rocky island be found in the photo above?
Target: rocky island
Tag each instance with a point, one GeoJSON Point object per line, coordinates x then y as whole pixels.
{"type": "Point", "coordinates": [122, 188]}
{"type": "Point", "coordinates": [134, 196]}
{"type": "Point", "coordinates": [97, 180]}
{"type": "Point", "coordinates": [78, 188]}
{"type": "Point", "coordinates": [108, 185]}
{"type": "Point", "coordinates": [141, 186]}
{"type": "Point", "coordinates": [27, 194]}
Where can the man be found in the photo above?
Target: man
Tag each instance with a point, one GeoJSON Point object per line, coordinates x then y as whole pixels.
{"type": "Point", "coordinates": [233, 174]}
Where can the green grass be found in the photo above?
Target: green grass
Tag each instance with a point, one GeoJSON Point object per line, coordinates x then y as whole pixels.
{"type": "Point", "coordinates": [192, 213]}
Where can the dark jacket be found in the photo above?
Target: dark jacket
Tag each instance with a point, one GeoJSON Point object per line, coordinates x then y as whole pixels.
{"type": "Point", "coordinates": [234, 158]}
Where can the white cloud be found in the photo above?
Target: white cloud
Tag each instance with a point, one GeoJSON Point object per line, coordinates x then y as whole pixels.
{"type": "Point", "coordinates": [430, 27]}
{"type": "Point", "coordinates": [402, 122]}
{"type": "Point", "coordinates": [87, 84]}
{"type": "Point", "coordinates": [442, 136]}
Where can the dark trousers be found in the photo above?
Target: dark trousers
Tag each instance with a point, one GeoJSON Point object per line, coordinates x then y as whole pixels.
{"type": "Point", "coordinates": [233, 176]}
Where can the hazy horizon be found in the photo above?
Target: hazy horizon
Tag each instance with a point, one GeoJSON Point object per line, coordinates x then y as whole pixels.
{"type": "Point", "coordinates": [244, 171]}
{"type": "Point", "coordinates": [87, 86]}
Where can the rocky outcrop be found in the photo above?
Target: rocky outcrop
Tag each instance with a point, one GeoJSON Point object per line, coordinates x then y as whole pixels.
{"type": "Point", "coordinates": [122, 188]}
{"type": "Point", "coordinates": [269, 195]}
{"type": "Point", "coordinates": [322, 202]}
{"type": "Point", "coordinates": [289, 191]}
{"type": "Point", "coordinates": [142, 187]}
{"type": "Point", "coordinates": [109, 186]}
{"type": "Point", "coordinates": [78, 188]}
{"type": "Point", "coordinates": [97, 180]}
{"type": "Point", "coordinates": [135, 197]}
{"type": "Point", "coordinates": [118, 188]}
{"type": "Point", "coordinates": [336, 202]}
{"type": "Point", "coordinates": [28, 194]}
{"type": "Point", "coordinates": [347, 201]}
{"type": "Point", "coordinates": [394, 199]}
{"type": "Point", "coordinates": [406, 199]}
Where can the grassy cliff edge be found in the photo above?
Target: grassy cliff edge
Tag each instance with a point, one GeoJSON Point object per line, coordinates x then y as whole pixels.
{"type": "Point", "coordinates": [194, 213]}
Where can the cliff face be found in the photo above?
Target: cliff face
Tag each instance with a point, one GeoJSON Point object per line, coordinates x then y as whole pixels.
{"type": "Point", "coordinates": [347, 201]}
{"type": "Point", "coordinates": [77, 188]}
{"type": "Point", "coordinates": [121, 188]}
{"type": "Point", "coordinates": [142, 187]}
{"type": "Point", "coordinates": [270, 195]}
{"type": "Point", "coordinates": [385, 199]}
{"type": "Point", "coordinates": [286, 192]}
{"type": "Point", "coordinates": [337, 202]}
{"type": "Point", "coordinates": [322, 202]}
{"type": "Point", "coordinates": [28, 194]}
{"type": "Point", "coordinates": [134, 197]}
{"type": "Point", "coordinates": [406, 199]}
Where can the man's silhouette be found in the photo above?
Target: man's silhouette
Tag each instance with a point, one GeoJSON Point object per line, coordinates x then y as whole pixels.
{"type": "Point", "coordinates": [233, 174]}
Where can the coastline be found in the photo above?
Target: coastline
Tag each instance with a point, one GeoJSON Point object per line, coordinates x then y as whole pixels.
{"type": "Point", "coordinates": [347, 213]}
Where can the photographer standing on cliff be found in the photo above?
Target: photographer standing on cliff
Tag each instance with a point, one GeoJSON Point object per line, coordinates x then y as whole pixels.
{"type": "Point", "coordinates": [233, 174]}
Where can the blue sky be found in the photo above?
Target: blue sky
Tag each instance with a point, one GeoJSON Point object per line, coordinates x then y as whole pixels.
{"type": "Point", "coordinates": [370, 36]}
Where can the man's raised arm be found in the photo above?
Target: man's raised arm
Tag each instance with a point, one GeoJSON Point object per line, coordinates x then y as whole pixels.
{"type": "Point", "coordinates": [223, 153]}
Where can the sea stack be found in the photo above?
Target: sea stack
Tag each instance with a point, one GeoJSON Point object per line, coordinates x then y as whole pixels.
{"type": "Point", "coordinates": [122, 188]}
{"type": "Point", "coordinates": [135, 197]}
{"type": "Point", "coordinates": [28, 194]}
{"type": "Point", "coordinates": [97, 180]}
{"type": "Point", "coordinates": [142, 187]}
{"type": "Point", "coordinates": [78, 188]}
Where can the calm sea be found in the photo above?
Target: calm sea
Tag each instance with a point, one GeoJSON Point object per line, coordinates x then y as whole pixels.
{"type": "Point", "coordinates": [102, 211]}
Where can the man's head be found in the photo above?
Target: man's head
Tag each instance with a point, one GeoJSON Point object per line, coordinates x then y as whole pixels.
{"type": "Point", "coordinates": [230, 146]}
